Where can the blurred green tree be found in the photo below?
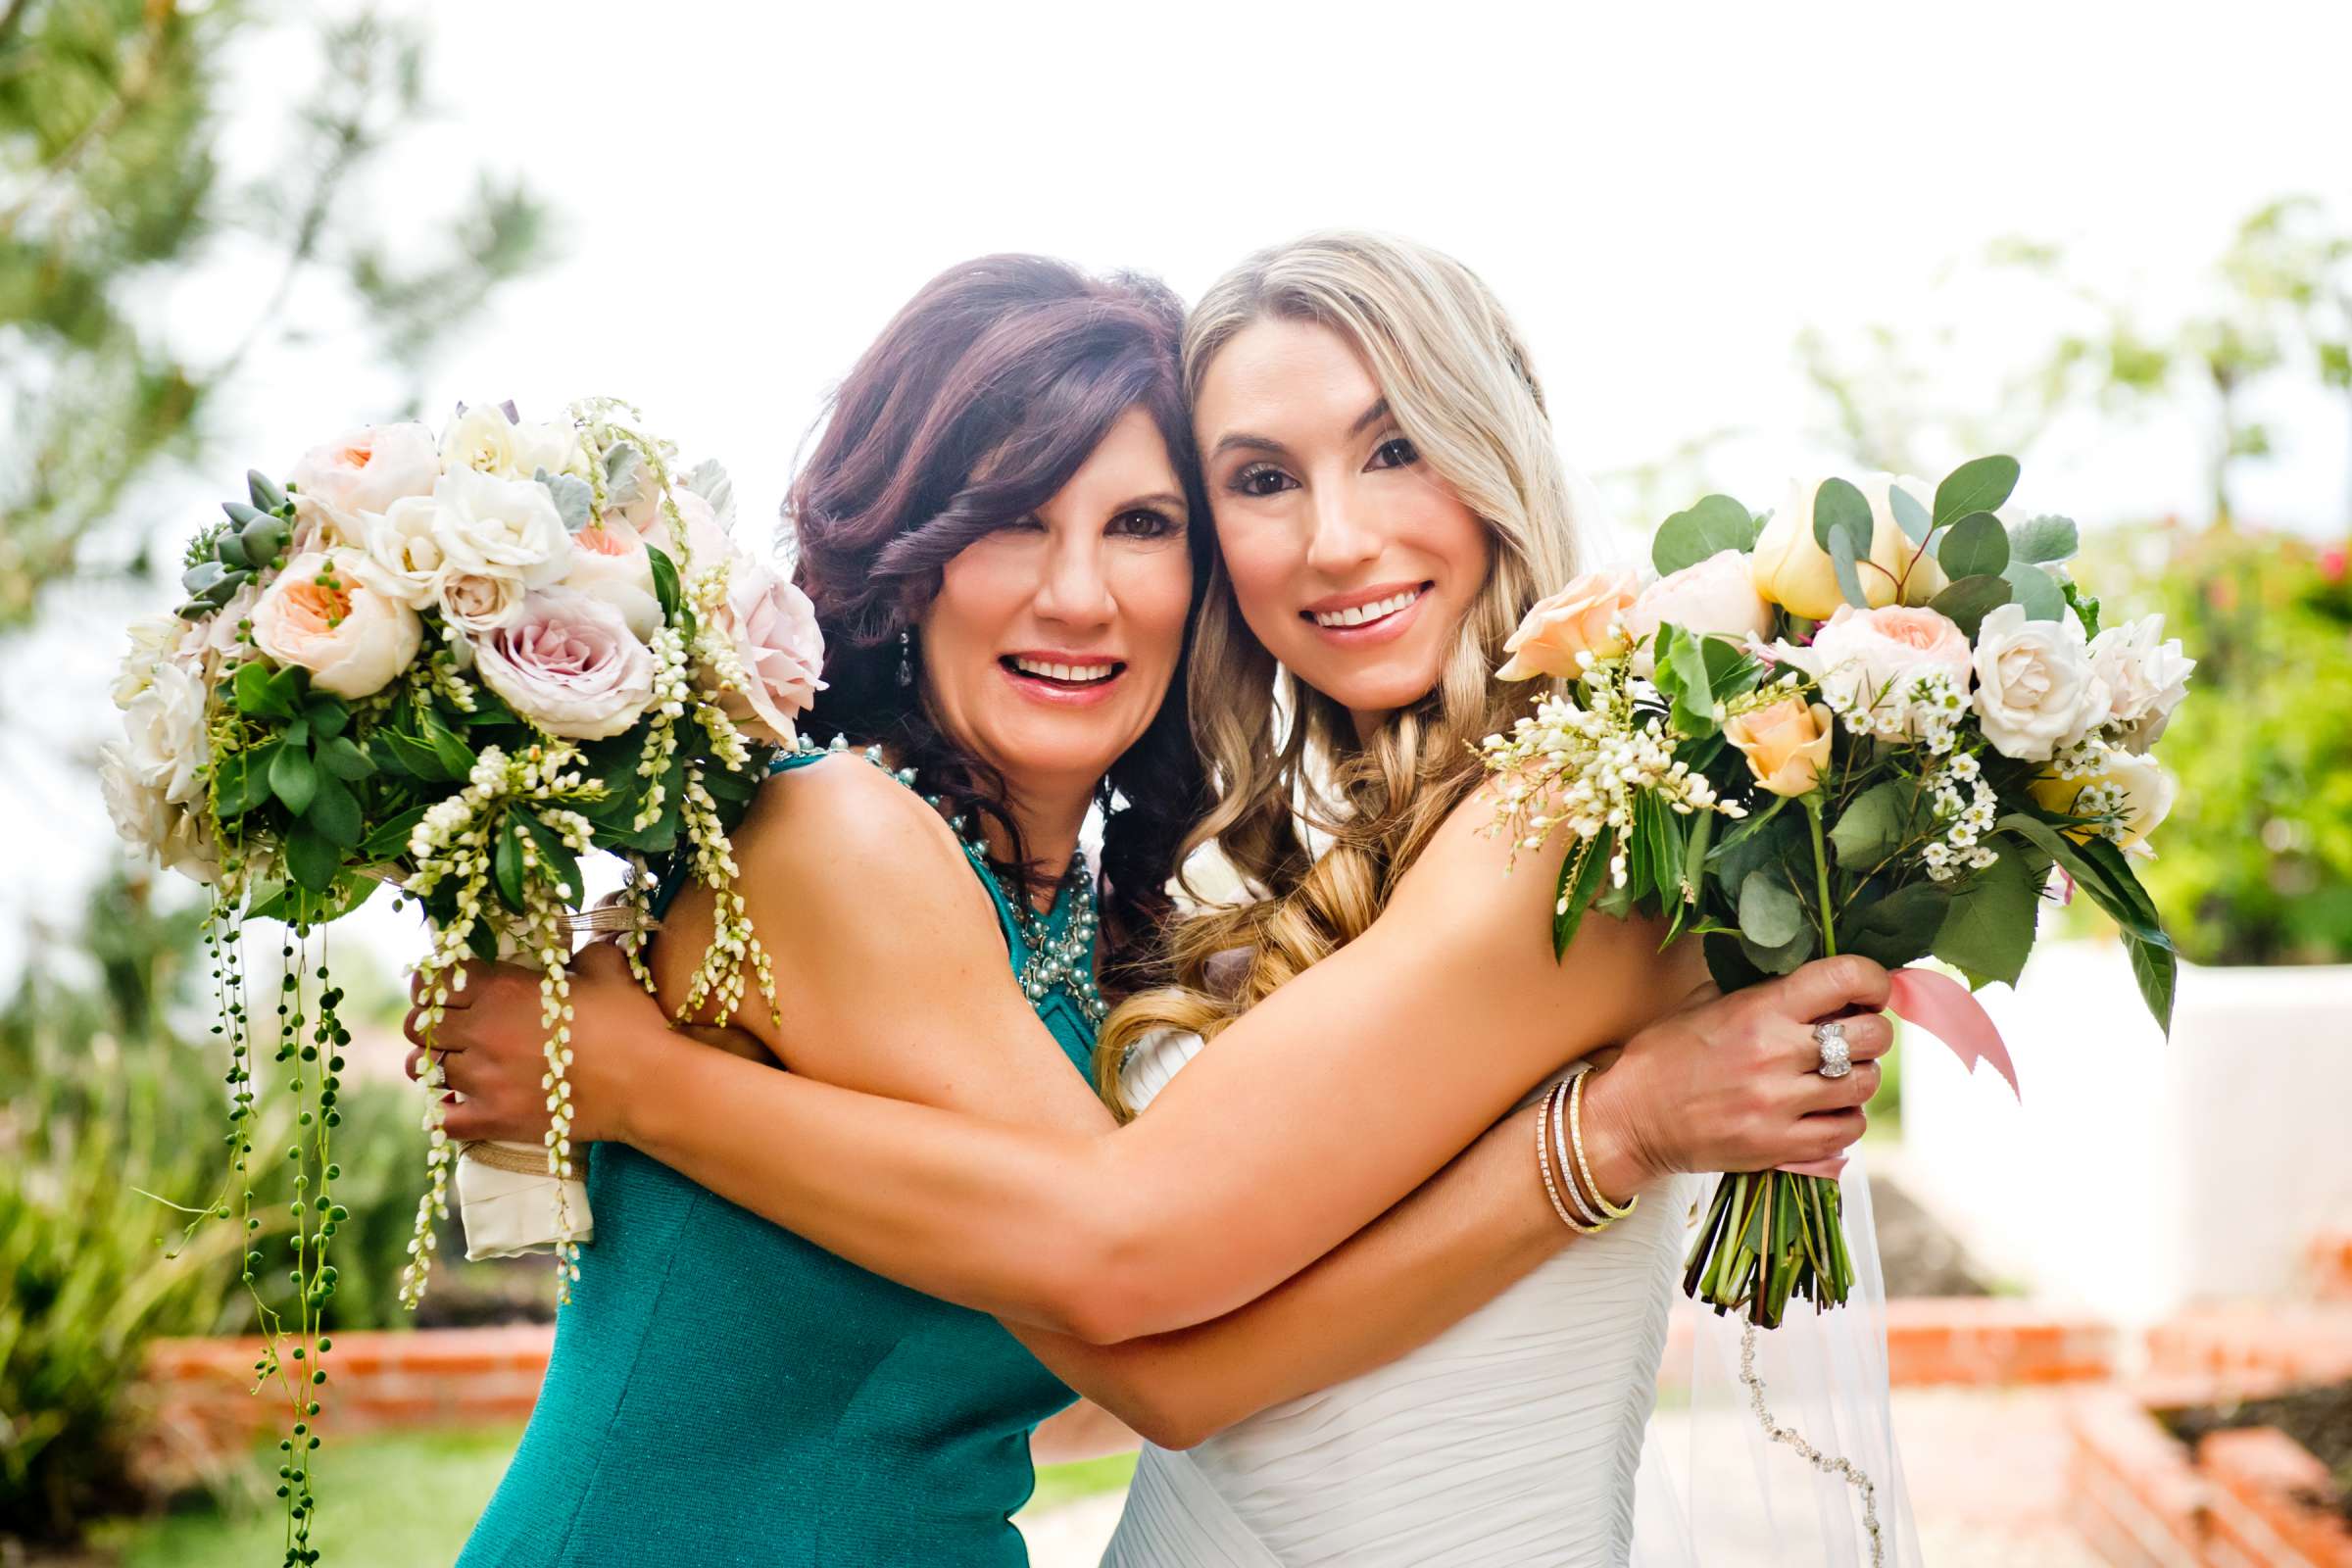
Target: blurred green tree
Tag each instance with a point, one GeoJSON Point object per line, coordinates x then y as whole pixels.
{"type": "Point", "coordinates": [113, 192]}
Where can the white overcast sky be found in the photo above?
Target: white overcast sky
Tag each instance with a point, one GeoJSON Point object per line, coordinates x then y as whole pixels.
{"type": "Point", "coordinates": [1664, 195]}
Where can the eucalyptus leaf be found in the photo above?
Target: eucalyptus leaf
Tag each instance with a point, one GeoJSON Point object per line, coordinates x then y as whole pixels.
{"type": "Point", "coordinates": [1770, 913]}
{"type": "Point", "coordinates": [1978, 486]}
{"type": "Point", "coordinates": [1838, 505]}
{"type": "Point", "coordinates": [2048, 537]}
{"type": "Point", "coordinates": [1967, 602]}
{"type": "Point", "coordinates": [1844, 563]}
{"type": "Point", "coordinates": [2034, 590]}
{"type": "Point", "coordinates": [1783, 959]}
{"type": "Point", "coordinates": [1727, 964]}
{"type": "Point", "coordinates": [1975, 546]}
{"type": "Point", "coordinates": [1910, 514]}
{"type": "Point", "coordinates": [1716, 523]}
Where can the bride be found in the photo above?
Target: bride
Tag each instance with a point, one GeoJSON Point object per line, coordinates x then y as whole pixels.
{"type": "Point", "coordinates": [1387, 503]}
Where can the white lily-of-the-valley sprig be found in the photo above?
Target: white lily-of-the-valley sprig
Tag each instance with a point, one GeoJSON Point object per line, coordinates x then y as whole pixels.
{"type": "Point", "coordinates": [453, 663]}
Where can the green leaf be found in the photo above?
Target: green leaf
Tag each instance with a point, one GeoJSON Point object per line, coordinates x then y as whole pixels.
{"type": "Point", "coordinates": [1845, 563]}
{"type": "Point", "coordinates": [2086, 607]}
{"type": "Point", "coordinates": [406, 754]}
{"type": "Point", "coordinates": [254, 694]}
{"type": "Point", "coordinates": [2048, 537]}
{"type": "Point", "coordinates": [1910, 514]}
{"type": "Point", "coordinates": [1694, 851]}
{"type": "Point", "coordinates": [1715, 524]}
{"type": "Point", "coordinates": [343, 757]}
{"type": "Point", "coordinates": [297, 734]}
{"type": "Point", "coordinates": [312, 861]}
{"type": "Point", "coordinates": [1770, 913]}
{"type": "Point", "coordinates": [390, 839]}
{"type": "Point", "coordinates": [1978, 486]}
{"type": "Point", "coordinates": [1873, 826]}
{"type": "Point", "coordinates": [2036, 590]}
{"type": "Point", "coordinates": [1666, 849]}
{"type": "Point", "coordinates": [2158, 972]}
{"type": "Point", "coordinates": [506, 866]}
{"type": "Point", "coordinates": [456, 758]}
{"type": "Point", "coordinates": [1977, 546]}
{"type": "Point", "coordinates": [1989, 930]}
{"type": "Point", "coordinates": [1728, 965]}
{"type": "Point", "coordinates": [1693, 693]}
{"type": "Point", "coordinates": [1581, 874]}
{"type": "Point", "coordinates": [2125, 904]}
{"type": "Point", "coordinates": [334, 811]}
{"type": "Point", "coordinates": [1967, 602]}
{"type": "Point", "coordinates": [556, 855]}
{"type": "Point", "coordinates": [665, 582]}
{"type": "Point", "coordinates": [1898, 928]}
{"type": "Point", "coordinates": [293, 780]}
{"type": "Point", "coordinates": [1837, 505]}
{"type": "Point", "coordinates": [230, 545]}
{"type": "Point", "coordinates": [1783, 959]}
{"type": "Point", "coordinates": [329, 717]}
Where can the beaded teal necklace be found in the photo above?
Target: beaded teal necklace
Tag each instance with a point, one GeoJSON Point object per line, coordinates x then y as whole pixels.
{"type": "Point", "coordinates": [1058, 961]}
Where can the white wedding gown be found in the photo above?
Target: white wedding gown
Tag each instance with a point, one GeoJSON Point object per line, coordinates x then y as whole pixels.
{"type": "Point", "coordinates": [1513, 1437]}
{"type": "Point", "coordinates": [1516, 1436]}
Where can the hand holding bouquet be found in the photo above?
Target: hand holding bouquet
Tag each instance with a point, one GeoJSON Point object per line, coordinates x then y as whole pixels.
{"type": "Point", "coordinates": [1919, 678]}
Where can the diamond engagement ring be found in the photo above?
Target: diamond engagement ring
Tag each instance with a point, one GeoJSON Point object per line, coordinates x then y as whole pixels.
{"type": "Point", "coordinates": [1836, 1060]}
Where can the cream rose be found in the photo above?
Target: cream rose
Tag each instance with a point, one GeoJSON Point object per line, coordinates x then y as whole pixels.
{"type": "Point", "coordinates": [476, 604]}
{"type": "Point", "coordinates": [1581, 618]}
{"type": "Point", "coordinates": [367, 471]}
{"type": "Point", "coordinates": [1717, 594]}
{"type": "Point", "coordinates": [1793, 572]}
{"type": "Point", "coordinates": [776, 640]}
{"type": "Point", "coordinates": [611, 564]}
{"type": "Point", "coordinates": [404, 556]}
{"type": "Point", "coordinates": [2146, 679]}
{"type": "Point", "coordinates": [320, 614]}
{"type": "Point", "coordinates": [481, 440]}
{"type": "Point", "coordinates": [153, 638]}
{"type": "Point", "coordinates": [495, 527]}
{"type": "Point", "coordinates": [2036, 693]}
{"type": "Point", "coordinates": [569, 665]}
{"type": "Point", "coordinates": [554, 446]}
{"type": "Point", "coordinates": [1787, 743]}
{"type": "Point", "coordinates": [175, 835]}
{"type": "Point", "coordinates": [2128, 783]}
{"type": "Point", "coordinates": [1863, 657]}
{"type": "Point", "coordinates": [164, 727]}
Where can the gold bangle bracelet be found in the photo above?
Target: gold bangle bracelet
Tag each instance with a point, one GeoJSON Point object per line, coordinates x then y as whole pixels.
{"type": "Point", "coordinates": [1552, 1188]}
{"type": "Point", "coordinates": [1576, 1134]}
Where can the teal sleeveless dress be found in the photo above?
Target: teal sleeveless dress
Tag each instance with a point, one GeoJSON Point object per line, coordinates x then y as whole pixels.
{"type": "Point", "coordinates": [723, 1393]}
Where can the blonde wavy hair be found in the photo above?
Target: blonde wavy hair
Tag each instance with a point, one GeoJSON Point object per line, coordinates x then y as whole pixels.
{"type": "Point", "coordinates": [1461, 385]}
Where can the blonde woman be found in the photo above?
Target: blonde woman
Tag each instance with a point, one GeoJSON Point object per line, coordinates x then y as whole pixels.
{"type": "Point", "coordinates": [1387, 502]}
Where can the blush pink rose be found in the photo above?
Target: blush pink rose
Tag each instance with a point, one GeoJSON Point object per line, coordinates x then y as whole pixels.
{"type": "Point", "coordinates": [1578, 620]}
{"type": "Point", "coordinates": [1866, 656]}
{"type": "Point", "coordinates": [569, 664]}
{"type": "Point", "coordinates": [1716, 596]}
{"type": "Point", "coordinates": [774, 627]}
{"type": "Point", "coordinates": [363, 472]}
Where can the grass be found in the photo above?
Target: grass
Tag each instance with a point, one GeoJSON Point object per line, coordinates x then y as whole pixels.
{"type": "Point", "coordinates": [402, 1500]}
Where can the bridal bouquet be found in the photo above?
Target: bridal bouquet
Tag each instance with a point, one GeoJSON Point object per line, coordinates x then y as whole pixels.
{"type": "Point", "coordinates": [454, 666]}
{"type": "Point", "coordinates": [1872, 721]}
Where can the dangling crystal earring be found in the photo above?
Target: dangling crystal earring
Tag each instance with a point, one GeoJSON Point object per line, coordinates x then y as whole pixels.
{"type": "Point", "coordinates": [906, 657]}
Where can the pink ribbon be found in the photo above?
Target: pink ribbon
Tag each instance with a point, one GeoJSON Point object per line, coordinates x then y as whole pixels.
{"type": "Point", "coordinates": [1947, 1009]}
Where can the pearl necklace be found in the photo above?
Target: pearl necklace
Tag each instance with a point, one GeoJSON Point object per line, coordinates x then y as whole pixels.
{"type": "Point", "coordinates": [1063, 963]}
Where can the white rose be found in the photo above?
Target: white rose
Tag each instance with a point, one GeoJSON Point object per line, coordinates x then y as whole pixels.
{"type": "Point", "coordinates": [1717, 594]}
{"type": "Point", "coordinates": [497, 527]}
{"type": "Point", "coordinates": [2145, 679]}
{"type": "Point", "coordinates": [2036, 693]}
{"type": "Point", "coordinates": [403, 556]}
{"type": "Point", "coordinates": [165, 730]}
{"type": "Point", "coordinates": [477, 604]}
{"type": "Point", "coordinates": [611, 564]}
{"type": "Point", "coordinates": [555, 447]}
{"type": "Point", "coordinates": [152, 640]}
{"type": "Point", "coordinates": [320, 614]}
{"type": "Point", "coordinates": [481, 440]}
{"type": "Point", "coordinates": [569, 665]}
{"type": "Point", "coordinates": [152, 824]}
{"type": "Point", "coordinates": [367, 471]}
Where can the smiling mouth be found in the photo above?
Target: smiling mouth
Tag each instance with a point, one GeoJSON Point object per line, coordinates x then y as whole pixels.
{"type": "Point", "coordinates": [1366, 614]}
{"type": "Point", "coordinates": [1073, 677]}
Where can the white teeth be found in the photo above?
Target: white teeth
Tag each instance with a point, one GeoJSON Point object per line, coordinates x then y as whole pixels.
{"type": "Point", "coordinates": [1069, 673]}
{"type": "Point", "coordinates": [1360, 613]}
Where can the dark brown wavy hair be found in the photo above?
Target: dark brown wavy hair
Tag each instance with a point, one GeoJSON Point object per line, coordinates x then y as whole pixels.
{"type": "Point", "coordinates": [975, 406]}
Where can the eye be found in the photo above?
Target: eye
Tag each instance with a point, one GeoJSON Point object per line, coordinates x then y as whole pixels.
{"type": "Point", "coordinates": [1397, 452]}
{"type": "Point", "coordinates": [1027, 525]}
{"type": "Point", "coordinates": [1262, 480]}
{"type": "Point", "coordinates": [1144, 524]}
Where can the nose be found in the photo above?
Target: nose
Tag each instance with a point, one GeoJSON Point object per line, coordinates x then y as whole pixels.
{"type": "Point", "coordinates": [1075, 591]}
{"type": "Point", "coordinates": [1341, 544]}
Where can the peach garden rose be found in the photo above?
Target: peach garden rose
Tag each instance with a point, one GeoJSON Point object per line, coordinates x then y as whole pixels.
{"type": "Point", "coordinates": [320, 614]}
{"type": "Point", "coordinates": [1580, 618]}
{"type": "Point", "coordinates": [1787, 743]}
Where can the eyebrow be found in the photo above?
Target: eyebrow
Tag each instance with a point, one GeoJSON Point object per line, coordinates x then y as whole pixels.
{"type": "Point", "coordinates": [1165, 499]}
{"type": "Point", "coordinates": [1239, 441]}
